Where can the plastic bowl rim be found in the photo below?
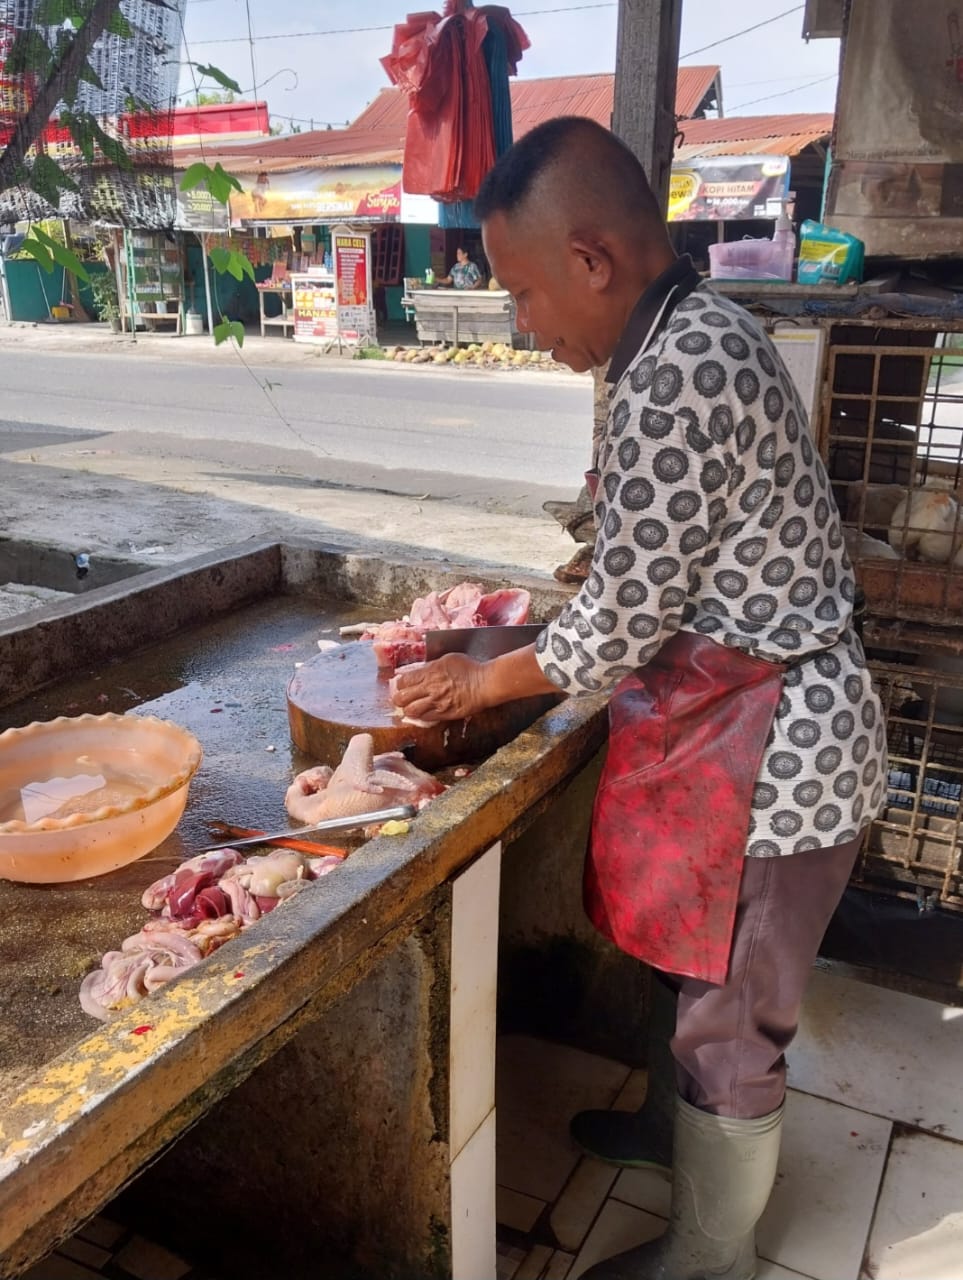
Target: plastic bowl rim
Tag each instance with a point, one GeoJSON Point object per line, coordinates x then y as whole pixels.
{"type": "Point", "coordinates": [180, 778]}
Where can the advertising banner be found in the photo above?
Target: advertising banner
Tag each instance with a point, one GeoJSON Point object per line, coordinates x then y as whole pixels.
{"type": "Point", "coordinates": [352, 273]}
{"type": "Point", "coordinates": [367, 193]}
{"type": "Point", "coordinates": [728, 188]}
{"type": "Point", "coordinates": [315, 308]}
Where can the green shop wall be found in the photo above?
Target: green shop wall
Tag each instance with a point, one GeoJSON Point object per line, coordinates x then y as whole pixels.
{"type": "Point", "coordinates": [33, 291]}
{"type": "Point", "coordinates": [417, 258]}
{"type": "Point", "coordinates": [232, 299]}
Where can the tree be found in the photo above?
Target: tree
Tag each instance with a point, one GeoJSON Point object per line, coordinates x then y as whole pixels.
{"type": "Point", "coordinates": [54, 52]}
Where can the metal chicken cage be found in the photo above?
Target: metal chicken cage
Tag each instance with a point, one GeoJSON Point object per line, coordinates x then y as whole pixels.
{"type": "Point", "coordinates": [891, 433]}
{"type": "Point", "coordinates": [914, 848]}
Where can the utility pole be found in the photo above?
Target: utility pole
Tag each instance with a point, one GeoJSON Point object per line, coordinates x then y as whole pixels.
{"type": "Point", "coordinates": [646, 66]}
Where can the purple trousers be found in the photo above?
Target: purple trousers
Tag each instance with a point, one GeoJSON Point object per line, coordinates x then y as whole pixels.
{"type": "Point", "coordinates": [730, 1040]}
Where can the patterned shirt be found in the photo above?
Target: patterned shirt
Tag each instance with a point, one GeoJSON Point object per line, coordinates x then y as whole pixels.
{"type": "Point", "coordinates": [715, 516]}
{"type": "Point", "coordinates": [465, 275]}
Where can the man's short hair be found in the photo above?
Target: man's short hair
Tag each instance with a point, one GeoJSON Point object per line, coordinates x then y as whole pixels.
{"type": "Point", "coordinates": [609, 173]}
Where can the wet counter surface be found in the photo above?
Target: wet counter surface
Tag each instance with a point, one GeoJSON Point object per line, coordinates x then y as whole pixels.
{"type": "Point", "coordinates": [84, 1105]}
{"type": "Point", "coordinates": [223, 681]}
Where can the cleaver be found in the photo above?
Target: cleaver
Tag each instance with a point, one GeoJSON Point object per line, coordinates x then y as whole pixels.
{"type": "Point", "coordinates": [481, 643]}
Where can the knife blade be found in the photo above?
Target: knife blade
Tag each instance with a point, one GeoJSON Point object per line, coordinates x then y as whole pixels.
{"type": "Point", "coordinates": [317, 828]}
{"type": "Point", "coordinates": [481, 643]}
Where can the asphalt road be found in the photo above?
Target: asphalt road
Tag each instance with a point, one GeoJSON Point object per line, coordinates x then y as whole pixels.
{"type": "Point", "coordinates": [358, 424]}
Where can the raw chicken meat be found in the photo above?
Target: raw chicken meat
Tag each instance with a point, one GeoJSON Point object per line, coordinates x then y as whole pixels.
{"type": "Point", "coordinates": [204, 903]}
{"type": "Point", "coordinates": [397, 644]}
{"type": "Point", "coordinates": [161, 951]}
{"type": "Point", "coordinates": [361, 782]}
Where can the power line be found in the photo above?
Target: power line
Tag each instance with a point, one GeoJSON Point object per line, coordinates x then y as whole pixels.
{"type": "Point", "coordinates": [744, 32]}
{"type": "Point", "coordinates": [769, 96]}
{"type": "Point", "coordinates": [348, 31]}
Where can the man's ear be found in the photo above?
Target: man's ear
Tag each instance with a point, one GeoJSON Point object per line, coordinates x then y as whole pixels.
{"type": "Point", "coordinates": [594, 259]}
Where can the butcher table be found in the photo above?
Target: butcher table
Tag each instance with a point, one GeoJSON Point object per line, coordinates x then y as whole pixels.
{"type": "Point", "coordinates": [322, 1088]}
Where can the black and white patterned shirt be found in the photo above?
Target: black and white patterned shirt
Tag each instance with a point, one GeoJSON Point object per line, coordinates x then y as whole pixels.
{"type": "Point", "coordinates": [715, 516]}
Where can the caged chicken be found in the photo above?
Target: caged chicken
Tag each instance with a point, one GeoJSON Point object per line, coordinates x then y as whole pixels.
{"type": "Point", "coordinates": [928, 524]}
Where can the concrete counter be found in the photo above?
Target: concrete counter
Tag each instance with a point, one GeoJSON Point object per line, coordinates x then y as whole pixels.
{"type": "Point", "coordinates": [369, 999]}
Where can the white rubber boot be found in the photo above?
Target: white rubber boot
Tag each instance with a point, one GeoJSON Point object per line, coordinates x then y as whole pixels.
{"type": "Point", "coordinates": [723, 1172]}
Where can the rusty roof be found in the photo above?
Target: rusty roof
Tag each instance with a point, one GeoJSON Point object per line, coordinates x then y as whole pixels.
{"type": "Point", "coordinates": [546, 97]}
{"type": "Point", "coordinates": [753, 135]}
{"type": "Point", "coordinates": [377, 135]}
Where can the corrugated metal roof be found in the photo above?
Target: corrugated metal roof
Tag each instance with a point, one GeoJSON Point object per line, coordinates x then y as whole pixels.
{"type": "Point", "coordinates": [753, 135]}
{"type": "Point", "coordinates": [377, 136]}
{"type": "Point", "coordinates": [534, 101]}
{"type": "Point", "coordinates": [743, 128]}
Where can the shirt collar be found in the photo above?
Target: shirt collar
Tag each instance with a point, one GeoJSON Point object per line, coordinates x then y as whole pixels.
{"type": "Point", "coordinates": [647, 312]}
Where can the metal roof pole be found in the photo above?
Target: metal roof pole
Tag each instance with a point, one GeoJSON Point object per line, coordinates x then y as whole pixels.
{"type": "Point", "coordinates": [646, 65]}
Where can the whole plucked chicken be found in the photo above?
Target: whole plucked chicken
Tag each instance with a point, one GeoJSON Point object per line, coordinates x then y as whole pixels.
{"type": "Point", "coordinates": [362, 782]}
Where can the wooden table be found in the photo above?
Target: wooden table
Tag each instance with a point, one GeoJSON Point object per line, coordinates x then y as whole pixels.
{"type": "Point", "coordinates": [285, 320]}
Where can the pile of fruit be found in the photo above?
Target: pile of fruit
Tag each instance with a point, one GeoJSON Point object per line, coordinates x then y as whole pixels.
{"type": "Point", "coordinates": [486, 355]}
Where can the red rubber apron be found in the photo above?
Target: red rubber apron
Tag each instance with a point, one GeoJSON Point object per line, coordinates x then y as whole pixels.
{"type": "Point", "coordinates": [670, 824]}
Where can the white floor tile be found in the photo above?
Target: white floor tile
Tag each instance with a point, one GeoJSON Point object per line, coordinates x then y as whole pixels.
{"type": "Point", "coordinates": [892, 1054]}
{"type": "Point", "coordinates": [645, 1189]}
{"type": "Point", "coordinates": [830, 1168]}
{"type": "Point", "coordinates": [539, 1088]}
{"type": "Point", "coordinates": [617, 1227]}
{"type": "Point", "coordinates": [534, 1267]}
{"type": "Point", "coordinates": [560, 1265]}
{"type": "Point", "coordinates": [918, 1231]}
{"type": "Point", "coordinates": [473, 1206]}
{"type": "Point", "coordinates": [580, 1202]}
{"type": "Point", "coordinates": [515, 1210]}
{"type": "Point", "coordinates": [508, 1259]}
{"type": "Point", "coordinates": [819, 1215]}
{"type": "Point", "coordinates": [474, 970]}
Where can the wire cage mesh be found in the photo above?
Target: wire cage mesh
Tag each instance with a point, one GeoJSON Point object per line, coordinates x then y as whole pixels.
{"type": "Point", "coordinates": [892, 437]}
{"type": "Point", "coordinates": [914, 848]}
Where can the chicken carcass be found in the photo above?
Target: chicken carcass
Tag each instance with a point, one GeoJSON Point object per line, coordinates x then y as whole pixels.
{"type": "Point", "coordinates": [397, 644]}
{"type": "Point", "coordinates": [362, 782]}
{"type": "Point", "coordinates": [927, 521]}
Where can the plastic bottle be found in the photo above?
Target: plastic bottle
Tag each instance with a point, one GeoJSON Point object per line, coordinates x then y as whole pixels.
{"type": "Point", "coordinates": [429, 277]}
{"type": "Point", "coordinates": [785, 241]}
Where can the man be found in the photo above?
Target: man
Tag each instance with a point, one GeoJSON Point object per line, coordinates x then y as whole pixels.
{"type": "Point", "coordinates": [464, 273]}
{"type": "Point", "coordinates": [747, 746]}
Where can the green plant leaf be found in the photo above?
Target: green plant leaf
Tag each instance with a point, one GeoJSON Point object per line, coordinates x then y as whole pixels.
{"type": "Point", "coordinates": [40, 253]}
{"type": "Point", "coordinates": [61, 254]}
{"type": "Point", "coordinates": [231, 262]}
{"type": "Point", "coordinates": [54, 13]}
{"type": "Point", "coordinates": [219, 260]}
{"type": "Point", "coordinates": [79, 126]}
{"type": "Point", "coordinates": [113, 150]}
{"type": "Point", "coordinates": [119, 26]}
{"type": "Point", "coordinates": [29, 52]}
{"type": "Point", "coordinates": [217, 75]}
{"type": "Point", "coordinates": [195, 175]}
{"type": "Point", "coordinates": [217, 181]}
{"type": "Point", "coordinates": [49, 180]}
{"type": "Point", "coordinates": [90, 76]}
{"type": "Point", "coordinates": [229, 329]}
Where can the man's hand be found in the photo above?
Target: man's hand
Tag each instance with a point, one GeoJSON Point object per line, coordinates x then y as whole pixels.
{"type": "Point", "coordinates": [455, 686]}
{"type": "Point", "coordinates": [451, 688]}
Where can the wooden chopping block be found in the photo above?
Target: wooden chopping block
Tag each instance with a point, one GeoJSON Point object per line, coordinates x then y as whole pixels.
{"type": "Point", "coordinates": [342, 692]}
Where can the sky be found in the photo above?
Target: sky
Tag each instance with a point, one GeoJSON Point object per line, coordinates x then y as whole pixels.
{"type": "Point", "coordinates": [330, 76]}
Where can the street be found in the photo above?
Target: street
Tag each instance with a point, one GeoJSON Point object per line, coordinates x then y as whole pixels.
{"type": "Point", "coordinates": [360, 418]}
{"type": "Point", "coordinates": [121, 450]}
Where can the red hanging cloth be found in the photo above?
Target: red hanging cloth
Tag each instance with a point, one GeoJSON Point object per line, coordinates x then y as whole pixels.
{"type": "Point", "coordinates": [438, 60]}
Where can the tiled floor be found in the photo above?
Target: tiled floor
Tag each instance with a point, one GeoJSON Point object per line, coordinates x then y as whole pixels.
{"type": "Point", "coordinates": [870, 1175]}
{"type": "Point", "coordinates": [871, 1170]}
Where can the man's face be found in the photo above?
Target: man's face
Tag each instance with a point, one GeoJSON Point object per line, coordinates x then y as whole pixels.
{"type": "Point", "coordinates": [461, 255]}
{"type": "Point", "coordinates": [552, 297]}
